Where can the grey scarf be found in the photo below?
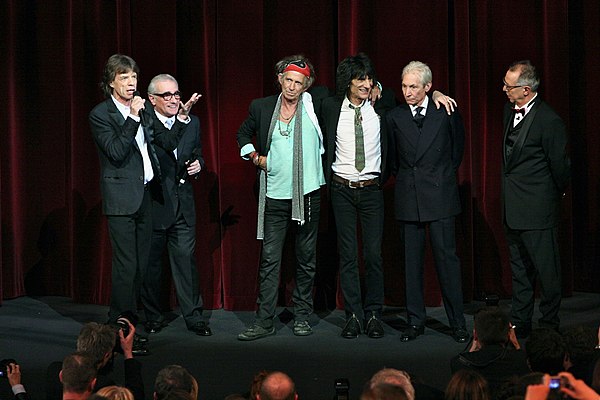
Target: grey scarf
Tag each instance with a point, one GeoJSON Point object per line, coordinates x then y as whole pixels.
{"type": "Point", "coordinates": [297, 173]}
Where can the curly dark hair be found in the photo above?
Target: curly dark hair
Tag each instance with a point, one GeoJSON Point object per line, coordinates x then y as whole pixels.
{"type": "Point", "coordinates": [353, 67]}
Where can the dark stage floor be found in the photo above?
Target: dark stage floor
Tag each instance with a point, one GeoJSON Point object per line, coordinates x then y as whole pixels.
{"type": "Point", "coordinates": [37, 331]}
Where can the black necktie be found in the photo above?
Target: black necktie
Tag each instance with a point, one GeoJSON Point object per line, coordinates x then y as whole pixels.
{"type": "Point", "coordinates": [519, 111]}
{"type": "Point", "coordinates": [418, 117]}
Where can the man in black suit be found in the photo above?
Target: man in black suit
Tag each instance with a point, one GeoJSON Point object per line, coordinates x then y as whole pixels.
{"type": "Point", "coordinates": [427, 148]}
{"type": "Point", "coordinates": [174, 220]}
{"type": "Point", "coordinates": [536, 171]}
{"type": "Point", "coordinates": [289, 145]}
{"type": "Point", "coordinates": [356, 169]}
{"type": "Point", "coordinates": [129, 171]}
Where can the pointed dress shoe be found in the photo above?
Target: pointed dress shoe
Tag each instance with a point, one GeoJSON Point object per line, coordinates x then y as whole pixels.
{"type": "Point", "coordinates": [352, 328]}
{"type": "Point", "coordinates": [139, 349]}
{"type": "Point", "coordinates": [460, 335]}
{"type": "Point", "coordinates": [375, 328]}
{"type": "Point", "coordinates": [155, 326]}
{"type": "Point", "coordinates": [412, 332]}
{"type": "Point", "coordinates": [201, 329]}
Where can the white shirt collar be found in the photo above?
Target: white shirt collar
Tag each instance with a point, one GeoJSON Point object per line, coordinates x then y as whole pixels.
{"type": "Point", "coordinates": [527, 105]}
{"type": "Point", "coordinates": [425, 103]}
{"type": "Point", "coordinates": [163, 118]}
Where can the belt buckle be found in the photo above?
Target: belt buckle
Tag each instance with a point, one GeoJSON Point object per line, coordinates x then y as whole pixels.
{"type": "Point", "coordinates": [353, 185]}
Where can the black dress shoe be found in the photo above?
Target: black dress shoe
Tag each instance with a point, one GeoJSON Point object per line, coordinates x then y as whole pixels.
{"type": "Point", "coordinates": [460, 335]}
{"type": "Point", "coordinates": [374, 328]}
{"type": "Point", "coordinates": [412, 332]}
{"type": "Point", "coordinates": [154, 326]}
{"type": "Point", "coordinates": [140, 339]}
{"type": "Point", "coordinates": [201, 328]}
{"type": "Point", "coordinates": [139, 349]}
{"type": "Point", "coordinates": [352, 328]}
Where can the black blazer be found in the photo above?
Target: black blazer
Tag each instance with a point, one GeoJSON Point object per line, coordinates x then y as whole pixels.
{"type": "Point", "coordinates": [425, 163]}
{"type": "Point", "coordinates": [538, 171]}
{"type": "Point", "coordinates": [329, 116]}
{"type": "Point", "coordinates": [257, 123]}
{"type": "Point", "coordinates": [173, 169]}
{"type": "Point", "coordinates": [121, 164]}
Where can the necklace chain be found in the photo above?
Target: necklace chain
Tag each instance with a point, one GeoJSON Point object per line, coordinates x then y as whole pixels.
{"type": "Point", "coordinates": [291, 115]}
{"type": "Point", "coordinates": [286, 132]}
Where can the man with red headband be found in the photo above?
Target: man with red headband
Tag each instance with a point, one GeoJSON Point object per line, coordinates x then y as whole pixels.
{"type": "Point", "coordinates": [287, 152]}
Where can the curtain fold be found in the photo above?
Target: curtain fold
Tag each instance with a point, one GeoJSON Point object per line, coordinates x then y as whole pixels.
{"type": "Point", "coordinates": [54, 238]}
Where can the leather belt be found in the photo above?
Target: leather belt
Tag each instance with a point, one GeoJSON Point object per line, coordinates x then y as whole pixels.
{"type": "Point", "coordinates": [355, 184]}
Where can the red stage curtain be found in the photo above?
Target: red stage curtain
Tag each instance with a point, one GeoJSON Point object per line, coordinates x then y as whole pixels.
{"type": "Point", "coordinates": [54, 239]}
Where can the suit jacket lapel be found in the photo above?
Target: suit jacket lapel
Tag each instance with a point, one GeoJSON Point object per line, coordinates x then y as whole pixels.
{"type": "Point", "coordinates": [507, 121]}
{"type": "Point", "coordinates": [332, 122]}
{"type": "Point", "coordinates": [518, 145]}
{"type": "Point", "coordinates": [117, 117]}
{"type": "Point", "coordinates": [407, 127]}
{"type": "Point", "coordinates": [430, 129]}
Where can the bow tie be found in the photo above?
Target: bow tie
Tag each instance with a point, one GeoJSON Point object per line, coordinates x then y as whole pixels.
{"type": "Point", "coordinates": [519, 111]}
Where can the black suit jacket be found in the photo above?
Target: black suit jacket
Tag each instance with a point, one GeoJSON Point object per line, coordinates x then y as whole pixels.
{"type": "Point", "coordinates": [257, 123]}
{"type": "Point", "coordinates": [173, 169]}
{"type": "Point", "coordinates": [538, 170]}
{"type": "Point", "coordinates": [425, 163]}
{"type": "Point", "coordinates": [121, 164]}
{"type": "Point", "coordinates": [329, 116]}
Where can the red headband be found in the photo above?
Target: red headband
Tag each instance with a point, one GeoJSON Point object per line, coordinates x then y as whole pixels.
{"type": "Point", "coordinates": [298, 66]}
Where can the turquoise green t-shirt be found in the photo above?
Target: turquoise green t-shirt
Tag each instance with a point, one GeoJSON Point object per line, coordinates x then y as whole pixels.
{"type": "Point", "coordinates": [281, 154]}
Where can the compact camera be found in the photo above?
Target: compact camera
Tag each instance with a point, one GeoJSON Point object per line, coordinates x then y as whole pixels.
{"type": "Point", "coordinates": [556, 382]}
{"type": "Point", "coordinates": [4, 364]}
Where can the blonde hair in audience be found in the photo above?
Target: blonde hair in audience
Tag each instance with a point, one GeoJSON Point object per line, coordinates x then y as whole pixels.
{"type": "Point", "coordinates": [116, 393]}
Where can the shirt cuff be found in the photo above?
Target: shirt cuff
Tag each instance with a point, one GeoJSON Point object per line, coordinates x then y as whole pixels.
{"type": "Point", "coordinates": [186, 121]}
{"type": "Point", "coordinates": [18, 389]}
{"type": "Point", "coordinates": [246, 150]}
{"type": "Point", "coordinates": [136, 118]}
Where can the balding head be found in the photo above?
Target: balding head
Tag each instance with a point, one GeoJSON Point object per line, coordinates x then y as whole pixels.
{"type": "Point", "coordinates": [396, 377]}
{"type": "Point", "coordinates": [277, 386]}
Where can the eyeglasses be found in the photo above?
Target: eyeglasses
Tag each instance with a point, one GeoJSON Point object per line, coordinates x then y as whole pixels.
{"type": "Point", "coordinates": [509, 88]}
{"type": "Point", "coordinates": [168, 95]}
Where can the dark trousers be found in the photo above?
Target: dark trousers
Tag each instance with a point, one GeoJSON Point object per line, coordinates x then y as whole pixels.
{"type": "Point", "coordinates": [180, 241]}
{"type": "Point", "coordinates": [447, 265]}
{"type": "Point", "coordinates": [349, 205]}
{"type": "Point", "coordinates": [130, 237]}
{"type": "Point", "coordinates": [534, 254]}
{"type": "Point", "coordinates": [278, 215]}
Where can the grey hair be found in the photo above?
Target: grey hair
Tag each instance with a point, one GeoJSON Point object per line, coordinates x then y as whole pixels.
{"type": "Point", "coordinates": [160, 78]}
{"type": "Point", "coordinates": [419, 68]}
{"type": "Point", "coordinates": [528, 75]}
